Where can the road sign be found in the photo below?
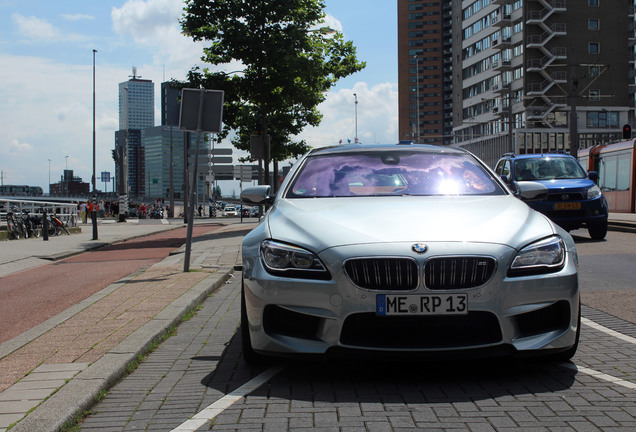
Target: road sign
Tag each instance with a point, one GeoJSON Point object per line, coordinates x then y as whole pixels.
{"type": "Point", "coordinates": [259, 146]}
{"type": "Point", "coordinates": [212, 110]}
{"type": "Point", "coordinates": [243, 172]}
{"type": "Point", "coordinates": [105, 177]}
{"type": "Point", "coordinates": [221, 151]}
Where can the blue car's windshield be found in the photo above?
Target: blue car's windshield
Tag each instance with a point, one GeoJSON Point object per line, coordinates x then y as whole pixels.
{"type": "Point", "coordinates": [547, 168]}
{"type": "Point", "coordinates": [392, 173]}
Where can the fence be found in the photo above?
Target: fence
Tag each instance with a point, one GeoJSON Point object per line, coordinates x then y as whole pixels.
{"type": "Point", "coordinates": [66, 212]}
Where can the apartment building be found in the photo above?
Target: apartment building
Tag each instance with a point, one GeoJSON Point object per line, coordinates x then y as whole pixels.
{"type": "Point", "coordinates": [527, 76]}
{"type": "Point", "coordinates": [540, 75]}
{"type": "Point", "coordinates": [425, 77]}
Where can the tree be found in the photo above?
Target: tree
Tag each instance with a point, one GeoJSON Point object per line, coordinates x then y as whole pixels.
{"type": "Point", "coordinates": [289, 65]}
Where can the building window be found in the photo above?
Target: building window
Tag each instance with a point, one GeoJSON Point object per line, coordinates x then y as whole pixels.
{"type": "Point", "coordinates": [594, 95]}
{"type": "Point", "coordinates": [593, 48]}
{"type": "Point", "coordinates": [595, 71]}
{"type": "Point", "coordinates": [593, 24]}
{"type": "Point", "coordinates": [602, 119]}
{"type": "Point", "coordinates": [593, 3]}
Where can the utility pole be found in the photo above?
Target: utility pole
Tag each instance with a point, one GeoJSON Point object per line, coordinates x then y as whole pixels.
{"type": "Point", "coordinates": [356, 117]}
{"type": "Point", "coordinates": [574, 127]}
{"type": "Point", "coordinates": [417, 99]}
{"type": "Point", "coordinates": [511, 121]}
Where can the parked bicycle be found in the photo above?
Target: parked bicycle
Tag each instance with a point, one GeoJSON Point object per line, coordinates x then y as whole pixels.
{"type": "Point", "coordinates": [31, 223]}
{"type": "Point", "coordinates": [59, 225]}
{"type": "Point", "coordinates": [15, 226]}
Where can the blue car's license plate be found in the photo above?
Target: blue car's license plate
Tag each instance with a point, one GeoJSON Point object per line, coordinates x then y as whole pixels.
{"type": "Point", "coordinates": [414, 304]}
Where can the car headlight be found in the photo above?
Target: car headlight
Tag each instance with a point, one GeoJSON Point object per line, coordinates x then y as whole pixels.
{"type": "Point", "coordinates": [544, 256]}
{"type": "Point", "coordinates": [291, 261]}
{"type": "Point", "coordinates": [594, 192]}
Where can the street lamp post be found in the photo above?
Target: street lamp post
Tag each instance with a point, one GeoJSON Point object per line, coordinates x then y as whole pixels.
{"type": "Point", "coordinates": [49, 177]}
{"type": "Point", "coordinates": [417, 99]}
{"type": "Point", "coordinates": [94, 213]}
{"type": "Point", "coordinates": [356, 116]}
{"type": "Point", "coordinates": [66, 175]}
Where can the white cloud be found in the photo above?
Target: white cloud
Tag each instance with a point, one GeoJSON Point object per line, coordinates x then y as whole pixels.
{"type": "Point", "coordinates": [20, 147]}
{"type": "Point", "coordinates": [35, 28]}
{"type": "Point", "coordinates": [39, 30]}
{"type": "Point", "coordinates": [377, 116]}
{"type": "Point", "coordinates": [154, 24]}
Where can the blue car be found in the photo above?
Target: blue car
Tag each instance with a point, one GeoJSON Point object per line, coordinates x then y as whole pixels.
{"type": "Point", "coordinates": [556, 185]}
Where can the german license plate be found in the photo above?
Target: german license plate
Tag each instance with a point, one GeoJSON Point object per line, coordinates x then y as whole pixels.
{"type": "Point", "coordinates": [567, 206]}
{"type": "Point", "coordinates": [413, 304]}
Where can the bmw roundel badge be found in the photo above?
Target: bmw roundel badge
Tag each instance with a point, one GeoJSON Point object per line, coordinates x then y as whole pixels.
{"type": "Point", "coordinates": [419, 248]}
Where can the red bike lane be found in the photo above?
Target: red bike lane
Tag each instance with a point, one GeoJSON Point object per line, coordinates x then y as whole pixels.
{"type": "Point", "coordinates": [30, 297]}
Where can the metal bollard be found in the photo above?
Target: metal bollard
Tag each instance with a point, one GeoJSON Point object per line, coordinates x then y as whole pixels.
{"type": "Point", "coordinates": [45, 227]}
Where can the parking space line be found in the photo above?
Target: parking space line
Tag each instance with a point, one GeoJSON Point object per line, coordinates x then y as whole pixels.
{"type": "Point", "coordinates": [608, 331]}
{"type": "Point", "coordinates": [213, 410]}
{"type": "Point", "coordinates": [595, 373]}
{"type": "Point", "coordinates": [600, 375]}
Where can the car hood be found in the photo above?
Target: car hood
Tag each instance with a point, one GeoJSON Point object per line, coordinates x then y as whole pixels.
{"type": "Point", "coordinates": [322, 223]}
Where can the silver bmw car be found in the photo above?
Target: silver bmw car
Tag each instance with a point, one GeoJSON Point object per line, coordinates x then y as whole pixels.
{"type": "Point", "coordinates": [404, 249]}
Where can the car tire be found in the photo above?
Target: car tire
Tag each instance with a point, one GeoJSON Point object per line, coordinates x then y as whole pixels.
{"type": "Point", "coordinates": [598, 230]}
{"type": "Point", "coordinates": [250, 356]}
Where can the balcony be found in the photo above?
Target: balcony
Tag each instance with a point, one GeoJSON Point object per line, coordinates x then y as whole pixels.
{"type": "Point", "coordinates": [501, 65]}
{"type": "Point", "coordinates": [501, 20]}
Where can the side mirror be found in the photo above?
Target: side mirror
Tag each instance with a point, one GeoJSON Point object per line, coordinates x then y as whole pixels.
{"type": "Point", "coordinates": [259, 195]}
{"type": "Point", "coordinates": [593, 175]}
{"type": "Point", "coordinates": [511, 184]}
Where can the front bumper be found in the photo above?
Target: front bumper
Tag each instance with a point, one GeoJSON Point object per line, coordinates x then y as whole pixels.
{"type": "Point", "coordinates": [506, 315]}
{"type": "Point", "coordinates": [590, 212]}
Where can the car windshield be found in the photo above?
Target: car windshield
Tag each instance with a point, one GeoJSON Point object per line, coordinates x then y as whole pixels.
{"type": "Point", "coordinates": [392, 173]}
{"type": "Point", "coordinates": [546, 168]}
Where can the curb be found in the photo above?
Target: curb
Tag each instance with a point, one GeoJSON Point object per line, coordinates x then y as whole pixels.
{"type": "Point", "coordinates": [81, 392]}
{"type": "Point", "coordinates": [621, 226]}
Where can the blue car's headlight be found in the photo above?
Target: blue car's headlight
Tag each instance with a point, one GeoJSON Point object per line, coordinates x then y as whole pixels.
{"type": "Point", "coordinates": [544, 256]}
{"type": "Point", "coordinates": [594, 192]}
{"type": "Point", "coordinates": [291, 261]}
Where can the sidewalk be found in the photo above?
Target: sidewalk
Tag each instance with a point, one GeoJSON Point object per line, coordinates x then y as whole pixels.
{"type": "Point", "coordinates": [56, 370]}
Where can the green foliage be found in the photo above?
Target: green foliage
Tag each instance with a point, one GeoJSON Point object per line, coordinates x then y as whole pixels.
{"type": "Point", "coordinates": [287, 66]}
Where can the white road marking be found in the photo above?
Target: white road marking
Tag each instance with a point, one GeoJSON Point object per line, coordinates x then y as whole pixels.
{"type": "Point", "coordinates": [209, 413]}
{"type": "Point", "coordinates": [600, 375]}
{"type": "Point", "coordinates": [610, 332]}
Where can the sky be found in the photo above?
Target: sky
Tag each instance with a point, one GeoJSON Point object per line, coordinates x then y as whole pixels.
{"type": "Point", "coordinates": [46, 78]}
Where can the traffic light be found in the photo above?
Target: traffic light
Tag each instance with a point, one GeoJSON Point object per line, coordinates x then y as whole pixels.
{"type": "Point", "coordinates": [627, 132]}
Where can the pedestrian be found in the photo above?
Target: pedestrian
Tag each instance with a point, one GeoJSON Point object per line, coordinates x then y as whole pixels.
{"type": "Point", "coordinates": [142, 211]}
{"type": "Point", "coordinates": [115, 208]}
{"type": "Point", "coordinates": [83, 211]}
{"type": "Point", "coordinates": [200, 210]}
{"type": "Point", "coordinates": [102, 209]}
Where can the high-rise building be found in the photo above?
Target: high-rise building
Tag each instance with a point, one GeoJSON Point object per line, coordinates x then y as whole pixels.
{"type": "Point", "coordinates": [136, 103]}
{"type": "Point", "coordinates": [136, 112]}
{"type": "Point", "coordinates": [535, 76]}
{"type": "Point", "coordinates": [424, 71]}
{"type": "Point", "coordinates": [527, 75]}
